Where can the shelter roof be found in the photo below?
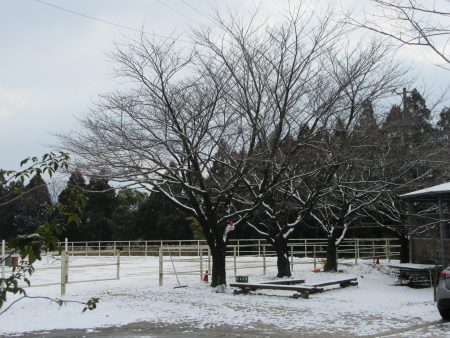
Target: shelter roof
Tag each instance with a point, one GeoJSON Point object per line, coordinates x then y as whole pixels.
{"type": "Point", "coordinates": [434, 193]}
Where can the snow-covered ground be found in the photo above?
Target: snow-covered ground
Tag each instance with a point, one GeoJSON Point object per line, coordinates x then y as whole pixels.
{"type": "Point", "coordinates": [375, 308]}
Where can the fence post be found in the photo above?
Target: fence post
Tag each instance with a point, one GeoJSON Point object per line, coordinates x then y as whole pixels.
{"type": "Point", "coordinates": [129, 249]}
{"type": "Point", "coordinates": [373, 251]}
{"type": "Point", "coordinates": [306, 250]}
{"type": "Point", "coordinates": [356, 252]}
{"type": "Point", "coordinates": [161, 265]}
{"type": "Point", "coordinates": [388, 245]}
{"type": "Point", "coordinates": [146, 249]}
{"type": "Point", "coordinates": [337, 255]}
{"type": "Point", "coordinates": [234, 260]}
{"type": "Point", "coordinates": [259, 248]}
{"type": "Point", "coordinates": [86, 249]}
{"type": "Point", "coordinates": [179, 248]}
{"type": "Point", "coordinates": [3, 263]}
{"type": "Point", "coordinates": [314, 255]}
{"type": "Point", "coordinates": [264, 259]}
{"type": "Point", "coordinates": [209, 260]}
{"type": "Point", "coordinates": [114, 246]}
{"type": "Point", "coordinates": [238, 247]}
{"type": "Point", "coordinates": [386, 248]}
{"type": "Point", "coordinates": [118, 264]}
{"type": "Point", "coordinates": [292, 257]}
{"type": "Point", "coordinates": [201, 264]}
{"type": "Point", "coordinates": [63, 273]}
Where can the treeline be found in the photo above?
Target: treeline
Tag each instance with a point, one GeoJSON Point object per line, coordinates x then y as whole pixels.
{"type": "Point", "coordinates": [108, 214]}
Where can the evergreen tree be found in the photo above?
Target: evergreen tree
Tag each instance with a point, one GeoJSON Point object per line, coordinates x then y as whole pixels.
{"type": "Point", "coordinates": [124, 217]}
{"type": "Point", "coordinates": [10, 206]}
{"type": "Point", "coordinates": [32, 206]}
{"type": "Point", "coordinates": [160, 220]}
{"type": "Point", "coordinates": [99, 210]}
{"type": "Point", "coordinates": [76, 185]}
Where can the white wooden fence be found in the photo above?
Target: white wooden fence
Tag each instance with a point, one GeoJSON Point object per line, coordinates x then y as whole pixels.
{"type": "Point", "coordinates": [62, 264]}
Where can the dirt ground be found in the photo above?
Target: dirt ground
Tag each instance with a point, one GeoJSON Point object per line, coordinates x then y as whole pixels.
{"type": "Point", "coordinates": [143, 330]}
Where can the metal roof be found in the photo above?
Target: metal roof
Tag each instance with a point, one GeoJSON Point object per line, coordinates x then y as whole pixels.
{"type": "Point", "coordinates": [428, 194]}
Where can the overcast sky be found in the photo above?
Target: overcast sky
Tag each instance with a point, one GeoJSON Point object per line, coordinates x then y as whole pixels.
{"type": "Point", "coordinates": [53, 63]}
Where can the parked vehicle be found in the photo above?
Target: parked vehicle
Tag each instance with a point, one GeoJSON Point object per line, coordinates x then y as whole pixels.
{"type": "Point", "coordinates": [443, 294]}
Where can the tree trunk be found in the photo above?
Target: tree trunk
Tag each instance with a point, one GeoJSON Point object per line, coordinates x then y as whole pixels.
{"type": "Point", "coordinates": [331, 264]}
{"type": "Point", "coordinates": [280, 246]}
{"type": "Point", "coordinates": [218, 252]}
{"type": "Point", "coordinates": [404, 249]}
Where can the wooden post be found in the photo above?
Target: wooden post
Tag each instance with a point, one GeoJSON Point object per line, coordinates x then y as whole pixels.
{"type": "Point", "coordinates": [86, 248]}
{"type": "Point", "coordinates": [146, 249]}
{"type": "Point", "coordinates": [63, 273]}
{"type": "Point", "coordinates": [234, 260]}
{"type": "Point", "coordinates": [201, 264]}
{"type": "Point", "coordinates": [373, 251]}
{"type": "Point", "coordinates": [3, 263]}
{"type": "Point", "coordinates": [118, 264]}
{"type": "Point", "coordinates": [264, 259]}
{"type": "Point", "coordinates": [161, 266]}
{"type": "Point", "coordinates": [209, 260]}
{"type": "Point", "coordinates": [388, 250]}
{"type": "Point", "coordinates": [129, 249]}
{"type": "Point", "coordinates": [314, 255]}
{"type": "Point", "coordinates": [99, 248]}
{"type": "Point", "coordinates": [306, 249]}
{"type": "Point", "coordinates": [355, 252]}
{"type": "Point", "coordinates": [259, 248]}
{"type": "Point", "coordinates": [292, 257]}
{"type": "Point", "coordinates": [442, 233]}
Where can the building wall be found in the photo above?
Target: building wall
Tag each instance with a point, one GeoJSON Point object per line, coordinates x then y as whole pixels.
{"type": "Point", "coordinates": [428, 250]}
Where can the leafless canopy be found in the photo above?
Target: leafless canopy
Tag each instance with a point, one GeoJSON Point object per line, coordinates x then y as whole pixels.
{"type": "Point", "coordinates": [412, 22]}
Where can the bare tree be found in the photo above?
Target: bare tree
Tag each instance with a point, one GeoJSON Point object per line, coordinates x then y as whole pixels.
{"type": "Point", "coordinates": [203, 126]}
{"type": "Point", "coordinates": [412, 22]}
{"type": "Point", "coordinates": [321, 175]}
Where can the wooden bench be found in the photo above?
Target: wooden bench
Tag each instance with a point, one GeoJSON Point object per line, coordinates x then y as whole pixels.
{"type": "Point", "coordinates": [285, 282]}
{"type": "Point", "coordinates": [303, 290]}
{"type": "Point", "coordinates": [247, 287]}
{"type": "Point", "coordinates": [342, 283]}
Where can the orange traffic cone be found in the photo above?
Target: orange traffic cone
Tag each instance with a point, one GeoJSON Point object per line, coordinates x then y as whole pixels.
{"type": "Point", "coordinates": [205, 277]}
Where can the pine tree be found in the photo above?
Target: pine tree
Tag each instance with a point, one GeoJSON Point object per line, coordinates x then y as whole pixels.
{"type": "Point", "coordinates": [32, 206]}
{"type": "Point", "coordinates": [99, 210]}
{"type": "Point", "coordinates": [124, 217]}
{"type": "Point", "coordinates": [159, 220]}
{"type": "Point", "coordinates": [76, 185]}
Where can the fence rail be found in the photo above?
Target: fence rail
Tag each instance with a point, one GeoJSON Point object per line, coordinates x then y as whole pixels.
{"type": "Point", "coordinates": [193, 257]}
{"type": "Point", "coordinates": [361, 247]}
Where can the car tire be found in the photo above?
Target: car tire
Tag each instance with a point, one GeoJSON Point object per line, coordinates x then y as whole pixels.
{"type": "Point", "coordinates": [445, 314]}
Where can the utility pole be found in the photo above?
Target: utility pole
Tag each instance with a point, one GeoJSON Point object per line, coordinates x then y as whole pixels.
{"type": "Point", "coordinates": [404, 94]}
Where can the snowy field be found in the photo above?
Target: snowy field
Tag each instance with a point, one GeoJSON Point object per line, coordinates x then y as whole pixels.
{"type": "Point", "coordinates": [375, 308]}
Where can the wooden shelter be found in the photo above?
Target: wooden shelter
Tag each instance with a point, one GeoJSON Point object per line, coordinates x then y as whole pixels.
{"type": "Point", "coordinates": [423, 248]}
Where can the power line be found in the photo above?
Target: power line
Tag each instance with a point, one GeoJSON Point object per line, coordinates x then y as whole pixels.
{"type": "Point", "coordinates": [108, 22]}
{"type": "Point", "coordinates": [196, 10]}
{"type": "Point", "coordinates": [174, 10]}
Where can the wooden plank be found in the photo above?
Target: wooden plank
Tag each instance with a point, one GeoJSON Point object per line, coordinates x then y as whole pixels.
{"type": "Point", "coordinates": [252, 287]}
{"type": "Point", "coordinates": [346, 281]}
{"type": "Point", "coordinates": [285, 282]}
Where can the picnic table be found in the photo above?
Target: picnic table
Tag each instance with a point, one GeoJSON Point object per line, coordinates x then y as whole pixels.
{"type": "Point", "coordinates": [415, 275]}
{"type": "Point", "coordinates": [303, 290]}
